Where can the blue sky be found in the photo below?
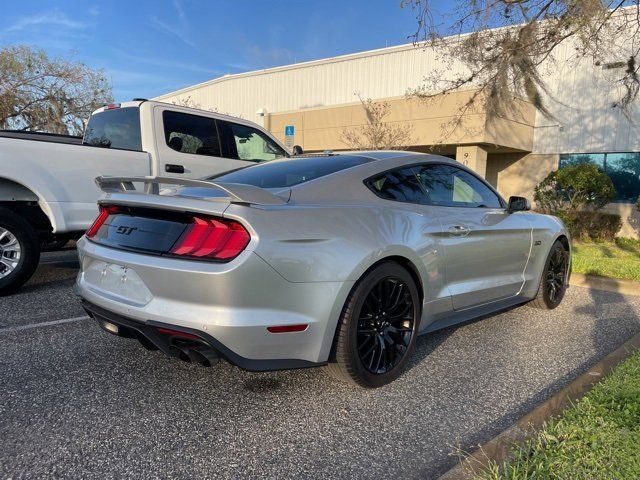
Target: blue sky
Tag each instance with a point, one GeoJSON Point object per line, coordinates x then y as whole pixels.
{"type": "Point", "coordinates": [151, 47]}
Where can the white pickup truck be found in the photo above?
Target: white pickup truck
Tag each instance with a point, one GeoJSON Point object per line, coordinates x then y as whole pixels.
{"type": "Point", "coordinates": [47, 189]}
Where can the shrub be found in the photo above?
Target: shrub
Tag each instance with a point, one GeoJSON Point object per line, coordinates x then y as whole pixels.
{"type": "Point", "coordinates": [590, 225]}
{"type": "Point", "coordinates": [576, 187]}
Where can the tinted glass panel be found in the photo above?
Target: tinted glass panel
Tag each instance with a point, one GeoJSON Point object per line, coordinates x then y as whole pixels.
{"type": "Point", "coordinates": [400, 185]}
{"type": "Point", "coordinates": [452, 187]}
{"type": "Point", "coordinates": [247, 143]}
{"type": "Point", "coordinates": [117, 128]}
{"type": "Point", "coordinates": [579, 158]}
{"type": "Point", "coordinates": [286, 173]}
{"type": "Point", "coordinates": [622, 168]}
{"type": "Point", "coordinates": [191, 133]}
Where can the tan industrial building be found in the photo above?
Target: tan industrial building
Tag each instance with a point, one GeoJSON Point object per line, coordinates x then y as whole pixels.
{"type": "Point", "coordinates": [319, 99]}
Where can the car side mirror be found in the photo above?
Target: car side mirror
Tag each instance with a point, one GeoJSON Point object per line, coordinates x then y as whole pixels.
{"type": "Point", "coordinates": [518, 204]}
{"type": "Point", "coordinates": [297, 150]}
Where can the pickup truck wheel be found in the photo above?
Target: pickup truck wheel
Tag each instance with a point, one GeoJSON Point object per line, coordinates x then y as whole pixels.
{"type": "Point", "coordinates": [19, 251]}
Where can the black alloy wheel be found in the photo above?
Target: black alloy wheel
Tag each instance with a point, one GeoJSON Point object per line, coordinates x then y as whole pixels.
{"type": "Point", "coordinates": [553, 283]}
{"type": "Point", "coordinates": [378, 327]}
{"type": "Point", "coordinates": [385, 325]}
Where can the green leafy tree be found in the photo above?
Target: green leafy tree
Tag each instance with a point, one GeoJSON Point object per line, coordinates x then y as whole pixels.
{"type": "Point", "coordinates": [573, 188]}
{"type": "Point", "coordinates": [38, 93]}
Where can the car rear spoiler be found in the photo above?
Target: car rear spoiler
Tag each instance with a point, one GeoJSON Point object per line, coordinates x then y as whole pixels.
{"type": "Point", "coordinates": [237, 193]}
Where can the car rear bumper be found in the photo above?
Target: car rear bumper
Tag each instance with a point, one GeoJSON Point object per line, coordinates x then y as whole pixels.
{"type": "Point", "coordinates": [149, 334]}
{"type": "Point", "coordinates": [230, 305]}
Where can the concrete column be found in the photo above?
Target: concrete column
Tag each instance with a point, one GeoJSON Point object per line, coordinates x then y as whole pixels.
{"type": "Point", "coordinates": [474, 157]}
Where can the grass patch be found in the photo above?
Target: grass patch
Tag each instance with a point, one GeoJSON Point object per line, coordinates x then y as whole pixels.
{"type": "Point", "coordinates": [619, 259]}
{"type": "Point", "coordinates": [598, 438]}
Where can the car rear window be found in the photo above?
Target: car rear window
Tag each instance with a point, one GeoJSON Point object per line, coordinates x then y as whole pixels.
{"type": "Point", "coordinates": [116, 128]}
{"type": "Point", "coordinates": [286, 173]}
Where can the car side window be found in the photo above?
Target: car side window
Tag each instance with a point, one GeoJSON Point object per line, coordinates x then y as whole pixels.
{"type": "Point", "coordinates": [193, 134]}
{"type": "Point", "coordinates": [242, 142]}
{"type": "Point", "coordinates": [449, 186]}
{"type": "Point", "coordinates": [402, 185]}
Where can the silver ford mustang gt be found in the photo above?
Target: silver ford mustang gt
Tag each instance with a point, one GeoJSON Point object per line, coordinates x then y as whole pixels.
{"type": "Point", "coordinates": [336, 260]}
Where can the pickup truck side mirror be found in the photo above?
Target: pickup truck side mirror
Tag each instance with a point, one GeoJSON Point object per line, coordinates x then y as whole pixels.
{"type": "Point", "coordinates": [518, 204]}
{"type": "Point", "coordinates": [297, 150]}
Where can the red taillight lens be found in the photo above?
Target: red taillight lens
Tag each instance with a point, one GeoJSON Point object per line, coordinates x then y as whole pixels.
{"type": "Point", "coordinates": [220, 239]}
{"type": "Point", "coordinates": [105, 211]}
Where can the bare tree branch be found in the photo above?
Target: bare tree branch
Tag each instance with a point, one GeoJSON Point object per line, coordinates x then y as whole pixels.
{"type": "Point", "coordinates": [501, 46]}
{"type": "Point", "coordinates": [42, 94]}
{"type": "Point", "coordinates": [377, 134]}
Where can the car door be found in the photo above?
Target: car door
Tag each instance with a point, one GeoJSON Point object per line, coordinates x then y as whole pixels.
{"type": "Point", "coordinates": [486, 248]}
{"type": "Point", "coordinates": [189, 145]}
{"type": "Point", "coordinates": [422, 234]}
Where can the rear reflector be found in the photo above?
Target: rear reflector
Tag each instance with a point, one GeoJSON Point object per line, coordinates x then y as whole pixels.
{"type": "Point", "coordinates": [105, 211]}
{"type": "Point", "coordinates": [288, 328]}
{"type": "Point", "coordinates": [176, 333]}
{"type": "Point", "coordinates": [219, 239]}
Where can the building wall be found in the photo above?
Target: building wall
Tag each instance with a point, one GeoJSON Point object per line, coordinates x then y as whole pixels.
{"type": "Point", "coordinates": [581, 98]}
{"type": "Point", "coordinates": [382, 73]}
{"type": "Point", "coordinates": [435, 122]}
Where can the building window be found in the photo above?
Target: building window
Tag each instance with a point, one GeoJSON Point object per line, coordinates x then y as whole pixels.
{"type": "Point", "coordinates": [622, 168]}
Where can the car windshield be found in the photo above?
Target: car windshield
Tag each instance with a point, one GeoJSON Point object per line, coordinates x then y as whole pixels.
{"type": "Point", "coordinates": [294, 171]}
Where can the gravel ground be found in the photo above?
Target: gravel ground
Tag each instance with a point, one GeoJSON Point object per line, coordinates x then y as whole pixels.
{"type": "Point", "coordinates": [78, 403]}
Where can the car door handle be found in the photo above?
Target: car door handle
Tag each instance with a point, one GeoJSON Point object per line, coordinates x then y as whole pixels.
{"type": "Point", "coordinates": [459, 230]}
{"type": "Point", "coordinates": [172, 168]}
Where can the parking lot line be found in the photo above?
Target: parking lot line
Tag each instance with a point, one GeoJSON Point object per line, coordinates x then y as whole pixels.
{"type": "Point", "coordinates": [42, 324]}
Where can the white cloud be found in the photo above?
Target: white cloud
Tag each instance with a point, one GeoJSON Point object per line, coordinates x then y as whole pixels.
{"type": "Point", "coordinates": [271, 55]}
{"type": "Point", "coordinates": [55, 19]}
{"type": "Point", "coordinates": [180, 29]}
{"type": "Point", "coordinates": [165, 63]}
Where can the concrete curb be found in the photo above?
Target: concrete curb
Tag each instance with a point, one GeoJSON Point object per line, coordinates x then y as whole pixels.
{"type": "Point", "coordinates": [499, 448]}
{"type": "Point", "coordinates": [624, 287]}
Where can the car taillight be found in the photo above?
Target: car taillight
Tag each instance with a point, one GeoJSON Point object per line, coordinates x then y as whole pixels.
{"type": "Point", "coordinates": [219, 239]}
{"type": "Point", "coordinates": [105, 211]}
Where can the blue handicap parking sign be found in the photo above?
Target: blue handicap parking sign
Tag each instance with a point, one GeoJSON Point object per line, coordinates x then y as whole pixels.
{"type": "Point", "coordinates": [288, 131]}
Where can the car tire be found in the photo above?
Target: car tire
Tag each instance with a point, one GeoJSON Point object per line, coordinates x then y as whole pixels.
{"type": "Point", "coordinates": [553, 283]}
{"type": "Point", "coordinates": [389, 326]}
{"type": "Point", "coordinates": [16, 231]}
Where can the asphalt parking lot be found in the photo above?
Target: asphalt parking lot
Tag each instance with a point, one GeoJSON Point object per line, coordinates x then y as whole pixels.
{"type": "Point", "coordinates": [78, 403]}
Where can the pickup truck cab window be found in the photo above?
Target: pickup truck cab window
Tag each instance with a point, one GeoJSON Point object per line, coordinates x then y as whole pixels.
{"type": "Point", "coordinates": [193, 134]}
{"type": "Point", "coordinates": [115, 128]}
{"type": "Point", "coordinates": [242, 142]}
